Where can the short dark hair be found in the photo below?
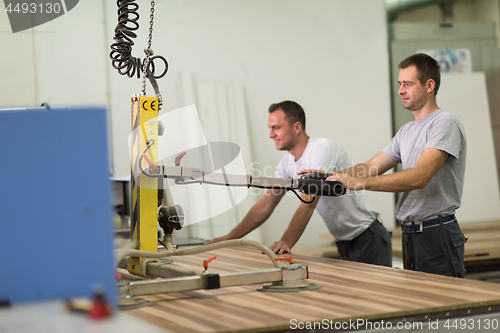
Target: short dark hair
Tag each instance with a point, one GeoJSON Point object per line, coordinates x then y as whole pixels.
{"type": "Point", "coordinates": [427, 68]}
{"type": "Point", "coordinates": [293, 112]}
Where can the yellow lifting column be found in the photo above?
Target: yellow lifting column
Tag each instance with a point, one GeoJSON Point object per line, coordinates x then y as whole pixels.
{"type": "Point", "coordinates": [144, 189]}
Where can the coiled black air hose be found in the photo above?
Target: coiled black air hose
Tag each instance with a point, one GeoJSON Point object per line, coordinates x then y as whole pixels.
{"type": "Point", "coordinates": [121, 54]}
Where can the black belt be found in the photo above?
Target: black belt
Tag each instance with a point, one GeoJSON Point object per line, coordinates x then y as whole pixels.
{"type": "Point", "coordinates": [421, 225]}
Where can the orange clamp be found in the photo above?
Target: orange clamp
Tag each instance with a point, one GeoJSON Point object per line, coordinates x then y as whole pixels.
{"type": "Point", "coordinates": [153, 167]}
{"type": "Point", "coordinates": [289, 259]}
{"type": "Point", "coordinates": [205, 263]}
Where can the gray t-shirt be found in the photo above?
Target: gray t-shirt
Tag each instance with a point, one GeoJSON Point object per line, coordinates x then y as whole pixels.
{"type": "Point", "coordinates": [346, 216]}
{"type": "Point", "coordinates": [439, 130]}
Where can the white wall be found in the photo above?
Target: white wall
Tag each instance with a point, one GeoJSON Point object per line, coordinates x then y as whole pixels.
{"type": "Point", "coordinates": [329, 56]}
{"type": "Point", "coordinates": [18, 85]}
{"type": "Point", "coordinates": [464, 95]}
{"type": "Point", "coordinates": [60, 62]}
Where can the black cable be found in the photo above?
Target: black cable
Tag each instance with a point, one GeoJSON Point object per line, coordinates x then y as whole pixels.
{"type": "Point", "coordinates": [121, 54]}
{"type": "Point", "coordinates": [298, 196]}
{"type": "Point", "coordinates": [142, 170]}
{"type": "Point", "coordinates": [161, 243]}
{"type": "Point", "coordinates": [210, 183]}
{"type": "Point", "coordinates": [271, 187]}
{"type": "Point", "coordinates": [224, 184]}
{"type": "Point", "coordinates": [245, 185]}
{"type": "Point", "coordinates": [150, 143]}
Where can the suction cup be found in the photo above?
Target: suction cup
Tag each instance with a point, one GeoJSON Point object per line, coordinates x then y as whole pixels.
{"type": "Point", "coordinates": [289, 286]}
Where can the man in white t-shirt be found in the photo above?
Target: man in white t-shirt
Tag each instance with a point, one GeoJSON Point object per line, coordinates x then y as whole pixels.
{"type": "Point", "coordinates": [359, 234]}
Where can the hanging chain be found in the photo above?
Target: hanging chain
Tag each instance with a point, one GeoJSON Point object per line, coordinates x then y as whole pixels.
{"type": "Point", "coordinates": [148, 51]}
{"type": "Point", "coordinates": [147, 60]}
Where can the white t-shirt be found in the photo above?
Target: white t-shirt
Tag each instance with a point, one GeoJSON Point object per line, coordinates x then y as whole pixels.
{"type": "Point", "coordinates": [346, 216]}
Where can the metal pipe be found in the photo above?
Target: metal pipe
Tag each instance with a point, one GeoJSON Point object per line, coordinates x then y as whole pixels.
{"type": "Point", "coordinates": [396, 7]}
{"type": "Point", "coordinates": [199, 249]}
{"type": "Point", "coordinates": [167, 242]}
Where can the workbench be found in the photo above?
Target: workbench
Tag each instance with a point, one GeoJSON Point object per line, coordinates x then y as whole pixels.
{"type": "Point", "coordinates": [350, 291]}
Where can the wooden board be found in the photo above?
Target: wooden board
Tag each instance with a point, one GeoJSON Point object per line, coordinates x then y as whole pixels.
{"type": "Point", "coordinates": [350, 291]}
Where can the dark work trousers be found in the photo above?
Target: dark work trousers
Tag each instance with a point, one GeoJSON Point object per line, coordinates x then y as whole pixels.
{"type": "Point", "coordinates": [373, 246]}
{"type": "Point", "coordinates": [437, 250]}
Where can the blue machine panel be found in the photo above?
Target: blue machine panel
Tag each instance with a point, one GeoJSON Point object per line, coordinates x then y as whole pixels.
{"type": "Point", "coordinates": [56, 237]}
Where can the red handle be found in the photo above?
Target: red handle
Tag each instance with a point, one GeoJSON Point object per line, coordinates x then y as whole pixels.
{"type": "Point", "coordinates": [205, 263]}
{"type": "Point", "coordinates": [289, 259]}
{"type": "Point", "coordinates": [151, 165]}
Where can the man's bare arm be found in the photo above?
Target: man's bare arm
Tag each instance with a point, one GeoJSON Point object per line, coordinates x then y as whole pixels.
{"type": "Point", "coordinates": [376, 166]}
{"type": "Point", "coordinates": [296, 227]}
{"type": "Point", "coordinates": [257, 215]}
{"type": "Point", "coordinates": [418, 177]}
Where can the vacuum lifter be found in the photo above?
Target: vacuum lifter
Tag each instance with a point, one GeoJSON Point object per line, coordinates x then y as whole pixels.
{"type": "Point", "coordinates": [147, 262]}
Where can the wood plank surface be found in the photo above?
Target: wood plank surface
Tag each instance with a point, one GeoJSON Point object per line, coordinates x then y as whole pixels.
{"type": "Point", "coordinates": [349, 291]}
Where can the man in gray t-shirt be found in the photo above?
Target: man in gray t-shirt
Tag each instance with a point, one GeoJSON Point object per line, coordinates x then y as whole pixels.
{"type": "Point", "coordinates": [432, 151]}
{"type": "Point", "coordinates": [439, 130]}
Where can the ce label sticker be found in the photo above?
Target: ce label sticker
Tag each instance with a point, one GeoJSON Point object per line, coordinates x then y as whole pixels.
{"type": "Point", "coordinates": [151, 103]}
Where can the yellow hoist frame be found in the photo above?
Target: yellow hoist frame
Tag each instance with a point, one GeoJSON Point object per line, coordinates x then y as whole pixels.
{"type": "Point", "coordinates": [144, 189]}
